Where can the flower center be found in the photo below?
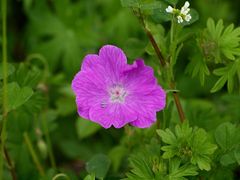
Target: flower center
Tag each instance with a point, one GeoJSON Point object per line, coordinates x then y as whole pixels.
{"type": "Point", "coordinates": [117, 94]}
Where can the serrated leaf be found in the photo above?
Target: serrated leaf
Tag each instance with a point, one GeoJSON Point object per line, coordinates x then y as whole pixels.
{"type": "Point", "coordinates": [98, 165]}
{"type": "Point", "coordinates": [219, 84]}
{"type": "Point", "coordinates": [203, 163]}
{"type": "Point", "coordinates": [227, 159]}
{"type": "Point", "coordinates": [226, 40]}
{"type": "Point", "coordinates": [141, 169]}
{"type": "Point", "coordinates": [86, 128]}
{"type": "Point", "coordinates": [177, 171]}
{"type": "Point", "coordinates": [167, 136]}
{"type": "Point", "coordinates": [227, 136]}
{"type": "Point", "coordinates": [190, 144]}
{"type": "Point", "coordinates": [169, 152]}
{"type": "Point", "coordinates": [17, 96]}
{"type": "Point", "coordinates": [227, 76]}
{"type": "Point", "coordinates": [198, 68]}
{"type": "Point", "coordinates": [27, 76]}
{"type": "Point", "coordinates": [10, 70]}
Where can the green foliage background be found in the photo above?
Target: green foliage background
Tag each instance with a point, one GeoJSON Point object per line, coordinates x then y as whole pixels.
{"type": "Point", "coordinates": [47, 40]}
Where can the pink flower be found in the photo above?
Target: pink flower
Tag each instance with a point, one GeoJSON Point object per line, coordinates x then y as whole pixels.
{"type": "Point", "coordinates": [111, 92]}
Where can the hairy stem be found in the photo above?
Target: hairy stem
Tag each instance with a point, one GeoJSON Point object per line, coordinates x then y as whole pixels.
{"type": "Point", "coordinates": [178, 103]}
{"type": "Point", "coordinates": [33, 154]}
{"type": "Point", "coordinates": [163, 63]}
{"type": "Point", "coordinates": [10, 165]}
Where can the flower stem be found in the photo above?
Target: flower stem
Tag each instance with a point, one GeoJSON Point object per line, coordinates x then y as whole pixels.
{"type": "Point", "coordinates": [33, 154]}
{"type": "Point", "coordinates": [163, 63]}
{"type": "Point", "coordinates": [172, 30]}
{"type": "Point", "coordinates": [4, 66]}
{"type": "Point", "coordinates": [151, 38]}
{"type": "Point", "coordinates": [10, 164]}
{"type": "Point", "coordinates": [49, 144]}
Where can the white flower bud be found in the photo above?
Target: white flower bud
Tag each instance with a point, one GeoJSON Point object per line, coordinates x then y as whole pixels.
{"type": "Point", "coordinates": [186, 5]}
{"type": "Point", "coordinates": [169, 9]}
{"type": "Point", "coordinates": [188, 17]}
{"type": "Point", "coordinates": [179, 19]}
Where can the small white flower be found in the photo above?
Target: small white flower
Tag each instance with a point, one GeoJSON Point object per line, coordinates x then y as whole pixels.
{"type": "Point", "coordinates": [179, 19]}
{"type": "Point", "coordinates": [181, 14]}
{"type": "Point", "coordinates": [185, 9]}
{"type": "Point", "coordinates": [169, 9]}
{"type": "Point", "coordinates": [186, 5]}
{"type": "Point", "coordinates": [188, 17]}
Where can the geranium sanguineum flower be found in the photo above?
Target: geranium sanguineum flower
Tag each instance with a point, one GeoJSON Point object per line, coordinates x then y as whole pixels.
{"type": "Point", "coordinates": [111, 92]}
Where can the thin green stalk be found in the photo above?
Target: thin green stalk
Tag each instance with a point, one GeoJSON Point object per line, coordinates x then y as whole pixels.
{"type": "Point", "coordinates": [172, 30]}
{"type": "Point", "coordinates": [49, 144]}
{"type": "Point", "coordinates": [33, 154]}
{"type": "Point", "coordinates": [4, 57]}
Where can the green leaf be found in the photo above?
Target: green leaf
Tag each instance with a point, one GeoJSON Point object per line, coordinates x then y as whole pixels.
{"type": "Point", "coordinates": [198, 67]}
{"type": "Point", "coordinates": [141, 168]}
{"type": "Point", "coordinates": [159, 15]}
{"type": "Point", "coordinates": [227, 74]}
{"type": "Point", "coordinates": [27, 76]}
{"type": "Point", "coordinates": [86, 128]}
{"type": "Point", "coordinates": [227, 159]}
{"type": "Point", "coordinates": [237, 154]}
{"type": "Point", "coordinates": [10, 70]}
{"type": "Point", "coordinates": [51, 42]}
{"type": "Point", "coordinates": [219, 84]}
{"type": "Point", "coordinates": [167, 136]}
{"type": "Point", "coordinates": [98, 165]}
{"type": "Point", "coordinates": [226, 40]}
{"type": "Point", "coordinates": [190, 144]}
{"type": "Point", "coordinates": [89, 177]}
{"type": "Point", "coordinates": [227, 135]}
{"type": "Point", "coordinates": [158, 32]}
{"type": "Point", "coordinates": [172, 2]}
{"type": "Point", "coordinates": [177, 171]}
{"type": "Point", "coordinates": [130, 3]}
{"type": "Point", "coordinates": [17, 96]}
{"type": "Point", "coordinates": [152, 5]}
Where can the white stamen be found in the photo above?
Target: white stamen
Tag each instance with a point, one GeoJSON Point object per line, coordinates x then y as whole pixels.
{"type": "Point", "coordinates": [117, 94]}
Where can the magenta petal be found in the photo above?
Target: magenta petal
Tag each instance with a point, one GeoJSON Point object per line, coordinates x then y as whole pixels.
{"type": "Point", "coordinates": [114, 61]}
{"type": "Point", "coordinates": [145, 119]}
{"type": "Point", "coordinates": [89, 89]}
{"type": "Point", "coordinates": [90, 62]}
{"type": "Point", "coordinates": [148, 97]}
{"type": "Point", "coordinates": [117, 115]}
